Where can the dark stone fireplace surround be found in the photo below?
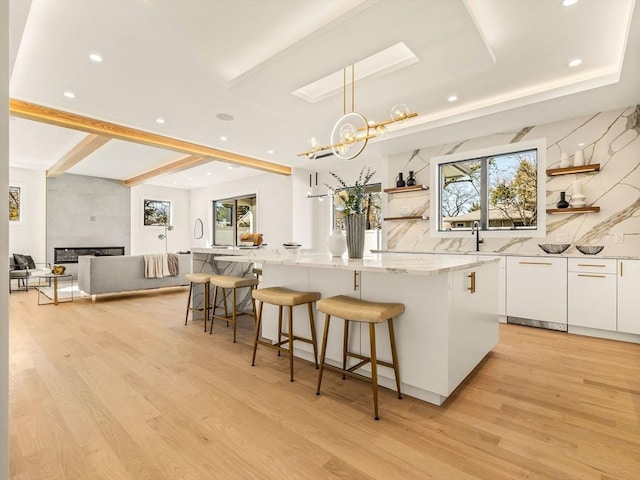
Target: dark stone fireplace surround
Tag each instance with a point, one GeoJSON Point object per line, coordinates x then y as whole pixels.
{"type": "Point", "coordinates": [71, 254]}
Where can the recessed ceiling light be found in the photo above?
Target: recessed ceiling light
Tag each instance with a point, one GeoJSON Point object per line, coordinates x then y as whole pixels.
{"type": "Point", "coordinates": [174, 182]}
{"type": "Point", "coordinates": [159, 120]}
{"type": "Point", "coordinates": [190, 178]}
{"type": "Point", "coordinates": [230, 167]}
{"type": "Point", "coordinates": [223, 138]}
{"type": "Point", "coordinates": [94, 57]}
{"type": "Point", "coordinates": [575, 62]}
{"type": "Point", "coordinates": [568, 3]}
{"type": "Point", "coordinates": [69, 94]}
{"type": "Point", "coordinates": [270, 152]}
{"type": "Point", "coordinates": [452, 98]}
{"type": "Point", "coordinates": [225, 117]}
{"type": "Point", "coordinates": [208, 173]}
{"type": "Point", "coordinates": [581, 144]}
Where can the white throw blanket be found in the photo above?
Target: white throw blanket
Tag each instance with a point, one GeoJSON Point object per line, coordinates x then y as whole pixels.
{"type": "Point", "coordinates": [156, 266]}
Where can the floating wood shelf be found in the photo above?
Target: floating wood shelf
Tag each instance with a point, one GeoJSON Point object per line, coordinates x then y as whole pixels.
{"type": "Point", "coordinates": [580, 169]}
{"type": "Point", "coordinates": [416, 217]}
{"type": "Point", "coordinates": [413, 188]}
{"type": "Point", "coordinates": [573, 210]}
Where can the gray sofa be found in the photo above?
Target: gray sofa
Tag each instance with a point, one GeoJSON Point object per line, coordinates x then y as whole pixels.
{"type": "Point", "coordinates": [124, 273]}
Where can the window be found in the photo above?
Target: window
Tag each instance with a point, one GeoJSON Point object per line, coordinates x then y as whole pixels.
{"type": "Point", "coordinates": [499, 188]}
{"type": "Point", "coordinates": [157, 212]}
{"type": "Point", "coordinates": [371, 206]}
{"type": "Point", "coordinates": [232, 218]}
{"type": "Point", "coordinates": [15, 204]}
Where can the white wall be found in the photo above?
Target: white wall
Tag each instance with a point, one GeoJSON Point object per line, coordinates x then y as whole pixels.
{"type": "Point", "coordinates": [274, 198]}
{"type": "Point", "coordinates": [4, 241]}
{"type": "Point", "coordinates": [28, 236]}
{"type": "Point", "coordinates": [144, 239]}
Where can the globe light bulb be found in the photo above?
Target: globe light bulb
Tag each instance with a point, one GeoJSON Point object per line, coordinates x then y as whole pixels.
{"type": "Point", "coordinates": [342, 148]}
{"type": "Point", "coordinates": [314, 144]}
{"type": "Point", "coordinates": [348, 133]}
{"type": "Point", "coordinates": [399, 112]}
{"type": "Point", "coordinates": [311, 155]}
{"type": "Point", "coordinates": [380, 130]}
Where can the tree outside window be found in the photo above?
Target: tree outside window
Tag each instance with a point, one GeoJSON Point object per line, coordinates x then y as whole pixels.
{"type": "Point", "coordinates": [157, 212]}
{"type": "Point", "coordinates": [15, 200]}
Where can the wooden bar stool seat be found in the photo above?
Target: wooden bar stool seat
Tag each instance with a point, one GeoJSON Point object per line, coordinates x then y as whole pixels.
{"type": "Point", "coordinates": [198, 279]}
{"type": "Point", "coordinates": [229, 282]}
{"type": "Point", "coordinates": [356, 310]}
{"type": "Point", "coordinates": [285, 297]}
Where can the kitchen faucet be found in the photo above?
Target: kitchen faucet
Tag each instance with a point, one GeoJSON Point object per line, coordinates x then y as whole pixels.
{"type": "Point", "coordinates": [475, 229]}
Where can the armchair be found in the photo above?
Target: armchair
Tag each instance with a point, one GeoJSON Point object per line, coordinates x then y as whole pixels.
{"type": "Point", "coordinates": [22, 268]}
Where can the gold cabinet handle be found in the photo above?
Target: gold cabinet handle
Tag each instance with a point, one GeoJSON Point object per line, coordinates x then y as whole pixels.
{"type": "Point", "coordinates": [621, 268]}
{"type": "Point", "coordinates": [535, 263]}
{"type": "Point", "coordinates": [472, 286]}
{"type": "Point", "coordinates": [594, 276]}
{"type": "Point", "coordinates": [590, 265]}
{"type": "Point", "coordinates": [355, 280]}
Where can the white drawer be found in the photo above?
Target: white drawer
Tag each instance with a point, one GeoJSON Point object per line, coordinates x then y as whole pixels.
{"type": "Point", "coordinates": [592, 265]}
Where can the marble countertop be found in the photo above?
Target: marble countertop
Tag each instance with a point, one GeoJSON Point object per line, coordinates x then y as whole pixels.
{"type": "Point", "coordinates": [515, 254]}
{"type": "Point", "coordinates": [380, 262]}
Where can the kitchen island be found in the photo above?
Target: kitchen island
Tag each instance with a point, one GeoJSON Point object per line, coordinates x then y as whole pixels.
{"type": "Point", "coordinates": [450, 321]}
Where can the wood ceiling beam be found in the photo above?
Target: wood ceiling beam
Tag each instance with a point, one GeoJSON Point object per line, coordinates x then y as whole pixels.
{"type": "Point", "coordinates": [82, 150]}
{"type": "Point", "coordinates": [182, 164]}
{"type": "Point", "coordinates": [52, 116]}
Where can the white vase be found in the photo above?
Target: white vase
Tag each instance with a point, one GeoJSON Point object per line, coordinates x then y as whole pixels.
{"type": "Point", "coordinates": [578, 158]}
{"type": "Point", "coordinates": [564, 160]}
{"type": "Point", "coordinates": [337, 243]}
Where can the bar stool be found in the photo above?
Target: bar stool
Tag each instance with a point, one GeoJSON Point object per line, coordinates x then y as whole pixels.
{"type": "Point", "coordinates": [226, 282]}
{"type": "Point", "coordinates": [199, 279]}
{"type": "Point", "coordinates": [284, 297]}
{"type": "Point", "coordinates": [355, 310]}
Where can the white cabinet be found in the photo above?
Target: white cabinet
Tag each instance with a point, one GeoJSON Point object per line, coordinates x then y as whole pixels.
{"type": "Point", "coordinates": [629, 296]}
{"type": "Point", "coordinates": [537, 290]}
{"type": "Point", "coordinates": [592, 293]}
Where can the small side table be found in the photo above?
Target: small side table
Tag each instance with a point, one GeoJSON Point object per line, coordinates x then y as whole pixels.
{"type": "Point", "coordinates": [56, 280]}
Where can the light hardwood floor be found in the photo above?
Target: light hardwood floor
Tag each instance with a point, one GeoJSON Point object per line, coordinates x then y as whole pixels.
{"type": "Point", "coordinates": [123, 390]}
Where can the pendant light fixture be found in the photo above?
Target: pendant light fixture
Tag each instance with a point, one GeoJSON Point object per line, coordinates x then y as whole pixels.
{"type": "Point", "coordinates": [352, 131]}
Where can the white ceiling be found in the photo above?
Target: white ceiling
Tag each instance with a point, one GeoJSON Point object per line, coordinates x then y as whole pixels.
{"type": "Point", "coordinates": [187, 61]}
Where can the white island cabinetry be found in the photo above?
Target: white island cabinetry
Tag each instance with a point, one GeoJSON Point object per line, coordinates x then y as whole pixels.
{"type": "Point", "coordinates": [443, 334]}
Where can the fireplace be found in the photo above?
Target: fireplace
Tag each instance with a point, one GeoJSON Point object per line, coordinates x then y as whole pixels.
{"type": "Point", "coordinates": [71, 254]}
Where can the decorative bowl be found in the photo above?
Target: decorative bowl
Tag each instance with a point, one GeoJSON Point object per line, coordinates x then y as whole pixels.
{"type": "Point", "coordinates": [406, 211]}
{"type": "Point", "coordinates": [58, 269]}
{"type": "Point", "coordinates": [590, 249]}
{"type": "Point", "coordinates": [554, 247]}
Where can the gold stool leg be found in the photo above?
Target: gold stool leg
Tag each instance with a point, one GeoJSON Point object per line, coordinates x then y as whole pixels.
{"type": "Point", "coordinates": [314, 340]}
{"type": "Point", "coordinates": [233, 309]}
{"type": "Point", "coordinates": [186, 317]}
{"type": "Point", "coordinates": [323, 350]}
{"type": "Point", "coordinates": [394, 356]}
{"type": "Point", "coordinates": [291, 341]}
{"type": "Point", "coordinates": [255, 340]}
{"type": "Point", "coordinates": [374, 368]}
{"type": "Point", "coordinates": [224, 297]}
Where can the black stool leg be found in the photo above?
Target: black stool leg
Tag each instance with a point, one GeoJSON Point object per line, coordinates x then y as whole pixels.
{"type": "Point", "coordinates": [291, 341]}
{"type": "Point", "coordinates": [255, 340]}
{"type": "Point", "coordinates": [186, 317]}
{"type": "Point", "coordinates": [323, 350]}
{"type": "Point", "coordinates": [345, 347]}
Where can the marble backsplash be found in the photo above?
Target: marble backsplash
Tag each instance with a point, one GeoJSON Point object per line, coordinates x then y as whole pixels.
{"type": "Point", "coordinates": [611, 139]}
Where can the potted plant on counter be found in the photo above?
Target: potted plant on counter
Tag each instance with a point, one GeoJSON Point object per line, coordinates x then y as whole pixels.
{"type": "Point", "coordinates": [350, 200]}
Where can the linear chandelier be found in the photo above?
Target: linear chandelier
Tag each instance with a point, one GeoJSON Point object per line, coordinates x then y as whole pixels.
{"type": "Point", "coordinates": [352, 131]}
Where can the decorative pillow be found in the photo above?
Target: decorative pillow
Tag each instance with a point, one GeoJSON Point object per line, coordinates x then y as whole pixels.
{"type": "Point", "coordinates": [23, 262]}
